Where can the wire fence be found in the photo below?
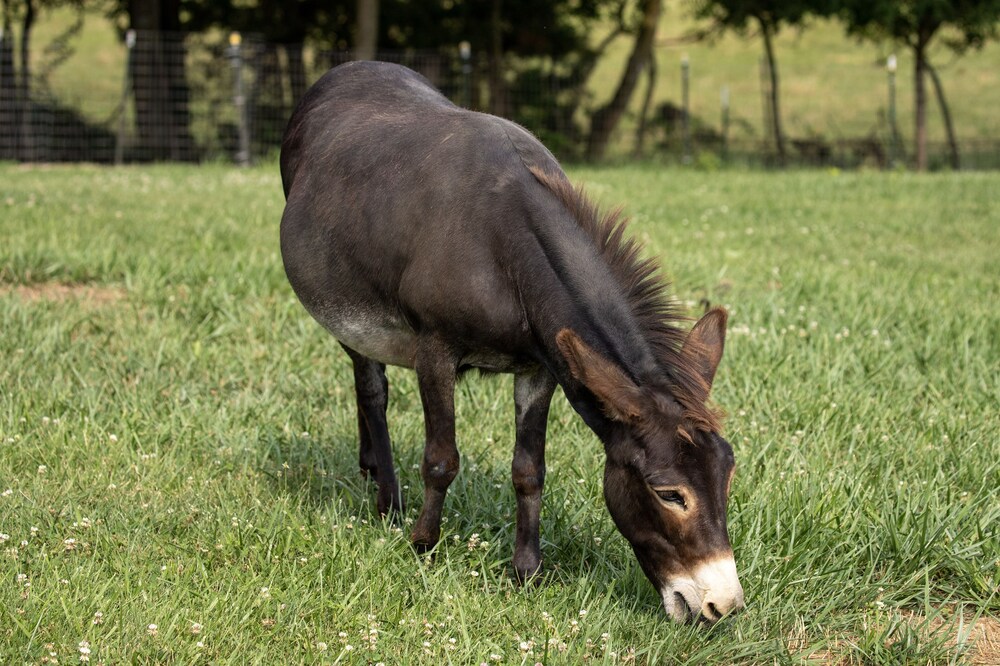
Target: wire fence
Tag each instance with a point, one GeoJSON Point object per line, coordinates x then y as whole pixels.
{"type": "Point", "coordinates": [197, 97]}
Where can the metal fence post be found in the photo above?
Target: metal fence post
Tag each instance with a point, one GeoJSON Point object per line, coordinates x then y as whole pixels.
{"type": "Point", "coordinates": [235, 55]}
{"type": "Point", "coordinates": [465, 53]}
{"type": "Point", "coordinates": [126, 80]}
{"type": "Point", "coordinates": [724, 101]}
{"type": "Point", "coordinates": [890, 65]}
{"type": "Point", "coordinates": [686, 106]}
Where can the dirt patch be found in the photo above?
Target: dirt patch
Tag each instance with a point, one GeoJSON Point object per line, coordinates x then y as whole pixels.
{"type": "Point", "coordinates": [985, 634]}
{"type": "Point", "coordinates": [58, 292]}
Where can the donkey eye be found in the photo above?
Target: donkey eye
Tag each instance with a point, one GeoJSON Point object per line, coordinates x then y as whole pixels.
{"type": "Point", "coordinates": [672, 497]}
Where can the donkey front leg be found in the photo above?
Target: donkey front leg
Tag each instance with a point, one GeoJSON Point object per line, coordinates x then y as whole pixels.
{"type": "Point", "coordinates": [532, 395]}
{"type": "Point", "coordinates": [436, 368]}
{"type": "Point", "coordinates": [375, 448]}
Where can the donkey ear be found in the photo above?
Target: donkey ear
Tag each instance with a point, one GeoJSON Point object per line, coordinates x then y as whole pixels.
{"type": "Point", "coordinates": [705, 342]}
{"type": "Point", "coordinates": [621, 398]}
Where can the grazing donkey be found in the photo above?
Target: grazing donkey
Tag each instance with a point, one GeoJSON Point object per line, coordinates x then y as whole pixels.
{"type": "Point", "coordinates": [431, 237]}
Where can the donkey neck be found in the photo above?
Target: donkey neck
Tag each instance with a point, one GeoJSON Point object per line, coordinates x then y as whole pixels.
{"type": "Point", "coordinates": [567, 284]}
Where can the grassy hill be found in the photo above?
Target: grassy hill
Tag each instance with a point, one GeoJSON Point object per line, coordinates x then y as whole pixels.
{"type": "Point", "coordinates": [832, 86]}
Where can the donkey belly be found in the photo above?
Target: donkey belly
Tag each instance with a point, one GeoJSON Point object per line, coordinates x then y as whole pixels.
{"type": "Point", "coordinates": [369, 330]}
{"type": "Point", "coordinates": [379, 335]}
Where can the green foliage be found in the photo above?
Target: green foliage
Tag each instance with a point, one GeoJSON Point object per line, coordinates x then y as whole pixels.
{"type": "Point", "coordinates": [177, 437]}
{"type": "Point", "coordinates": [970, 23]}
{"type": "Point", "coordinates": [744, 15]}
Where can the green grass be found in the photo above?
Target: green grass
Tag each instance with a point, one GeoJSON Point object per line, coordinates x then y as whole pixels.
{"type": "Point", "coordinates": [177, 437]}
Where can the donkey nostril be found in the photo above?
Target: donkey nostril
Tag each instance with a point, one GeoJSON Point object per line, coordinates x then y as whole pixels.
{"type": "Point", "coordinates": [714, 611]}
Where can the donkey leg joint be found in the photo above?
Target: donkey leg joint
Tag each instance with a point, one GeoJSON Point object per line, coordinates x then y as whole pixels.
{"type": "Point", "coordinates": [441, 473]}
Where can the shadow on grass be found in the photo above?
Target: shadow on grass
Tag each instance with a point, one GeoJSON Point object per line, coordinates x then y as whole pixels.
{"type": "Point", "coordinates": [316, 471]}
{"type": "Point", "coordinates": [319, 472]}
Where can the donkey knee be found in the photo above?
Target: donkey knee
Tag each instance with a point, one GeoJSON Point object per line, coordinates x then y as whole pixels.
{"type": "Point", "coordinates": [527, 479]}
{"type": "Point", "coordinates": [439, 473]}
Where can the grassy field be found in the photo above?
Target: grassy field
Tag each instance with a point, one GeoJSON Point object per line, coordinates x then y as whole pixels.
{"type": "Point", "coordinates": [178, 478]}
{"type": "Point", "coordinates": [832, 86]}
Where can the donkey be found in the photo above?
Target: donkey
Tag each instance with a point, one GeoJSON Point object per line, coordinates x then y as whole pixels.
{"type": "Point", "coordinates": [435, 238]}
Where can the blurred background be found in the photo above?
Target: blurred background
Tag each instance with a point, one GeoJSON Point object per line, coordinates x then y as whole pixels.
{"type": "Point", "coordinates": [845, 83]}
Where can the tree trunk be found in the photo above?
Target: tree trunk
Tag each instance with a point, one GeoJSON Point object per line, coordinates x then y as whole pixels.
{"type": "Point", "coordinates": [946, 114]}
{"type": "Point", "coordinates": [8, 85]}
{"type": "Point", "coordinates": [367, 36]}
{"type": "Point", "coordinates": [920, 94]}
{"type": "Point", "coordinates": [499, 97]}
{"type": "Point", "coordinates": [605, 119]}
{"type": "Point", "coordinates": [772, 68]}
{"type": "Point", "coordinates": [159, 81]}
{"type": "Point", "coordinates": [26, 142]}
{"type": "Point", "coordinates": [640, 134]}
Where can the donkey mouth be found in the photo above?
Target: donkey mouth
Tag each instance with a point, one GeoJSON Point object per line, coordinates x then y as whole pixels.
{"type": "Point", "coordinates": [682, 607]}
{"type": "Point", "coordinates": [678, 605]}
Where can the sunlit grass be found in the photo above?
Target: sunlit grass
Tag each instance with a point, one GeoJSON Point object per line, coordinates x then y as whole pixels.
{"type": "Point", "coordinates": [177, 437]}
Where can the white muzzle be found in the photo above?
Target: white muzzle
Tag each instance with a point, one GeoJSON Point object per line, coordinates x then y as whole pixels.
{"type": "Point", "coordinates": [711, 591]}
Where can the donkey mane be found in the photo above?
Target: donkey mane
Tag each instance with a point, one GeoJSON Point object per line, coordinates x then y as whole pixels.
{"type": "Point", "coordinates": [657, 314]}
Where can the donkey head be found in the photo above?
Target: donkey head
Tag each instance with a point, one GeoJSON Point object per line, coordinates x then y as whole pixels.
{"type": "Point", "coordinates": [666, 482]}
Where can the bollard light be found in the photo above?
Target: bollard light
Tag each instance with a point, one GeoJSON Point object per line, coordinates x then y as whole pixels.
{"type": "Point", "coordinates": [235, 39]}
{"type": "Point", "coordinates": [890, 63]}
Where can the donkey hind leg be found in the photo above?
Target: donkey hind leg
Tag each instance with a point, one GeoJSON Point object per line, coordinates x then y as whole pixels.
{"type": "Point", "coordinates": [375, 450]}
{"type": "Point", "coordinates": [436, 368]}
{"type": "Point", "coordinates": [532, 396]}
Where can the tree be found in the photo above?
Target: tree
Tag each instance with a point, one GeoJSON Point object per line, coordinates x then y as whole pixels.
{"type": "Point", "coordinates": [15, 82]}
{"type": "Point", "coordinates": [769, 16]}
{"type": "Point", "coordinates": [159, 80]}
{"type": "Point", "coordinates": [541, 44]}
{"type": "Point", "coordinates": [9, 87]}
{"type": "Point", "coordinates": [916, 24]}
{"type": "Point", "coordinates": [606, 118]}
{"type": "Point", "coordinates": [16, 79]}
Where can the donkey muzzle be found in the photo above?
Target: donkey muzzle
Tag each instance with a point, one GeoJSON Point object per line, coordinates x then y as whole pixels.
{"type": "Point", "coordinates": [711, 591]}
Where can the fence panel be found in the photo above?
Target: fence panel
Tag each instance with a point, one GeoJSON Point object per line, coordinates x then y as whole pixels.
{"type": "Point", "coordinates": [210, 96]}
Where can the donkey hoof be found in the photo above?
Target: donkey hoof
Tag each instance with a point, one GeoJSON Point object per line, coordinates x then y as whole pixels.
{"type": "Point", "coordinates": [422, 547]}
{"type": "Point", "coordinates": [528, 571]}
{"type": "Point", "coordinates": [390, 502]}
{"type": "Point", "coordinates": [423, 539]}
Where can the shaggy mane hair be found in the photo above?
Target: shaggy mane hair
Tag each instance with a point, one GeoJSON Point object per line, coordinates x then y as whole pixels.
{"type": "Point", "coordinates": [656, 313]}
